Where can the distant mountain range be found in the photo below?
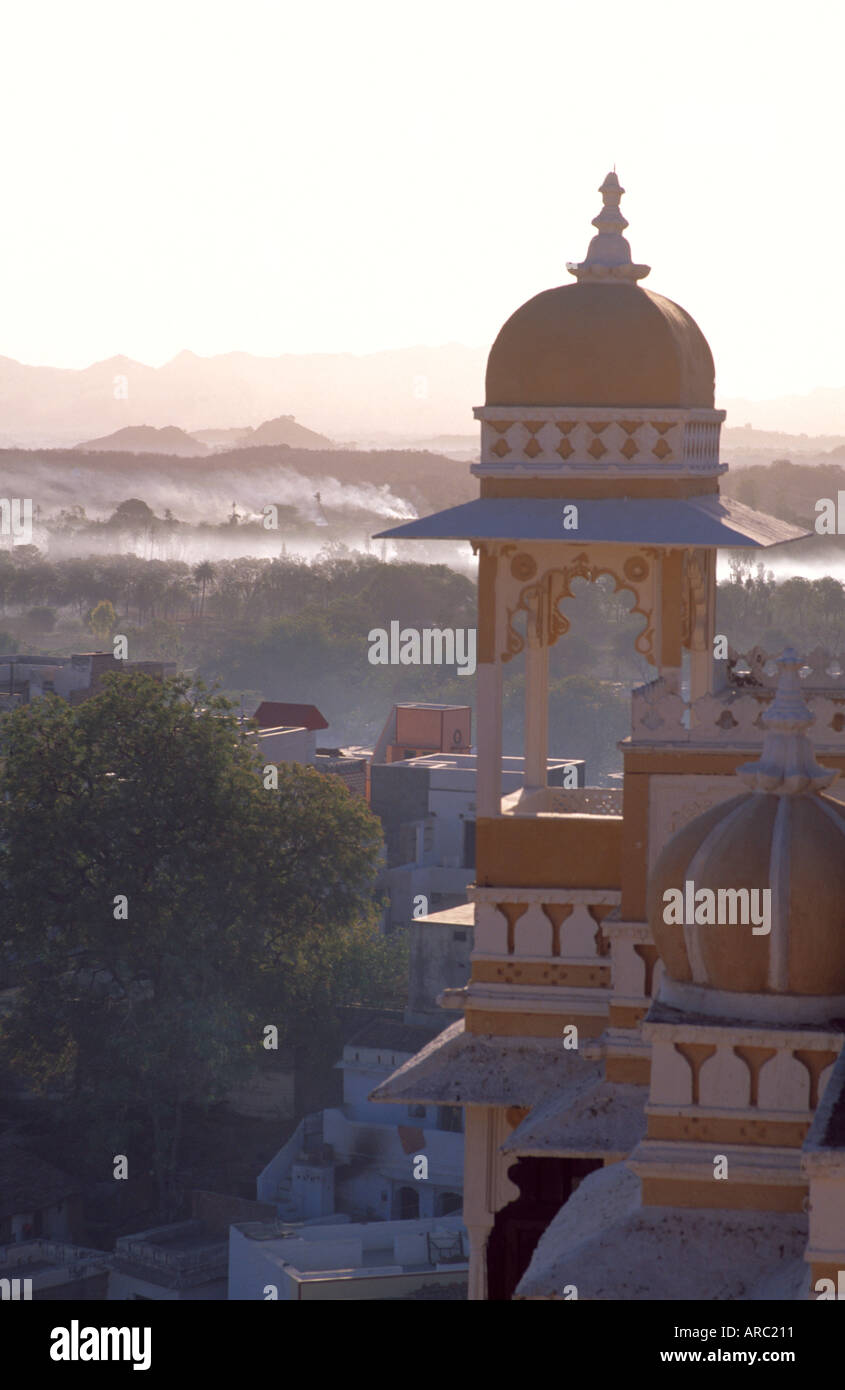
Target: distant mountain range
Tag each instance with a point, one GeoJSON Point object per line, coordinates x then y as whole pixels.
{"type": "Point", "coordinates": [410, 392]}
{"type": "Point", "coordinates": [403, 394]}
{"type": "Point", "coordinates": [177, 443]}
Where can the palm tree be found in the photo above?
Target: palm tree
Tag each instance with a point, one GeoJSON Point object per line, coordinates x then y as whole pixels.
{"type": "Point", "coordinates": [204, 573]}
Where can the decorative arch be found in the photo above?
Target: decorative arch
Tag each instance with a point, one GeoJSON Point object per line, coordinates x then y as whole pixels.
{"type": "Point", "coordinates": [540, 598]}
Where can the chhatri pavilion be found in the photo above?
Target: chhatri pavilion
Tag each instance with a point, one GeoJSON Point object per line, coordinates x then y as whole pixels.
{"type": "Point", "coordinates": [655, 1108]}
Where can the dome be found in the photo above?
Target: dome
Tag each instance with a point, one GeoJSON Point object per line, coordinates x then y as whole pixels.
{"type": "Point", "coordinates": [782, 836]}
{"type": "Point", "coordinates": [603, 341]}
{"type": "Point", "coordinates": [595, 344]}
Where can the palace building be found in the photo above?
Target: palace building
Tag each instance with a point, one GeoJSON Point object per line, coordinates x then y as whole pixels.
{"type": "Point", "coordinates": [654, 1109]}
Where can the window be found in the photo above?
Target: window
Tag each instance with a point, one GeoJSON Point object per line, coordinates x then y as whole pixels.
{"type": "Point", "coordinates": [407, 1204]}
{"type": "Point", "coordinates": [450, 1117]}
{"type": "Point", "coordinates": [416, 1112]}
{"type": "Point", "coordinates": [469, 844]}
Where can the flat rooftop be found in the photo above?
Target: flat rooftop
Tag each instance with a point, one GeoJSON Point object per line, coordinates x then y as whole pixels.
{"type": "Point", "coordinates": [461, 916]}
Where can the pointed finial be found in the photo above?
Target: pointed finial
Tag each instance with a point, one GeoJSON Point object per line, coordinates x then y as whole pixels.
{"type": "Point", "coordinates": [609, 255]}
{"type": "Point", "coordinates": [786, 766]}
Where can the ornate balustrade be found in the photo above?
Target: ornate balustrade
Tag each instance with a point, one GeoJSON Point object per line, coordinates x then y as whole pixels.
{"type": "Point", "coordinates": [733, 715]}
{"type": "Point", "coordinates": [757, 669]}
{"type": "Point", "coordinates": [564, 801]}
{"type": "Point", "coordinates": [568, 439]}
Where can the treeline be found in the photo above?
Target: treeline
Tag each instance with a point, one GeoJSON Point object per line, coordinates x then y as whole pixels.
{"type": "Point", "coordinates": [286, 629]}
{"type": "Point", "coordinates": [790, 491]}
{"type": "Point", "coordinates": [754, 610]}
{"type": "Point", "coordinates": [235, 591]}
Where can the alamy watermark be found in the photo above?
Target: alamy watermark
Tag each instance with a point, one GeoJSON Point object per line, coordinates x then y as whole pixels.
{"type": "Point", "coordinates": [830, 515]}
{"type": "Point", "coordinates": [15, 1289]}
{"type": "Point", "coordinates": [433, 646]}
{"type": "Point", "coordinates": [16, 518]}
{"type": "Point", "coordinates": [709, 907]}
{"type": "Point", "coordinates": [77, 1343]}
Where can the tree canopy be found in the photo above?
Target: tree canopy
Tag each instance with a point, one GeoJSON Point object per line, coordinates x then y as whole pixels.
{"type": "Point", "coordinates": [161, 907]}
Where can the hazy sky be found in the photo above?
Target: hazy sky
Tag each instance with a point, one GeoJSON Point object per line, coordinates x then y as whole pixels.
{"type": "Point", "coordinates": [319, 175]}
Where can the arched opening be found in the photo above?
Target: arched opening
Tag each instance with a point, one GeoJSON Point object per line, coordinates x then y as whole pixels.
{"type": "Point", "coordinates": [544, 1185]}
{"type": "Point", "coordinates": [580, 687]}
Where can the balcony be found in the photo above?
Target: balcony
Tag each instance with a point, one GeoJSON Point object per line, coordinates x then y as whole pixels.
{"type": "Point", "coordinates": [733, 714]}
{"type": "Point", "coordinates": [552, 838]}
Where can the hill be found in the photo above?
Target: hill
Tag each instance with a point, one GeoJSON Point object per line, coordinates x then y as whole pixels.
{"type": "Point", "coordinates": [146, 439]}
{"type": "Point", "coordinates": [283, 430]}
{"type": "Point", "coordinates": [251, 476]}
{"type": "Point", "coordinates": [418, 391]}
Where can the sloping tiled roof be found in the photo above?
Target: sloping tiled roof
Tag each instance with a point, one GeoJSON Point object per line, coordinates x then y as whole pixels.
{"type": "Point", "coordinates": [460, 1067]}
{"type": "Point", "coordinates": [27, 1183]}
{"type": "Point", "coordinates": [274, 714]}
{"type": "Point", "coordinates": [591, 1118]}
{"type": "Point", "coordinates": [688, 521]}
{"type": "Point", "coordinates": [607, 1244]}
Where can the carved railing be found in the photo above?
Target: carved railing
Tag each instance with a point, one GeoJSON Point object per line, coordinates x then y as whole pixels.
{"type": "Point", "coordinates": [757, 669]}
{"type": "Point", "coordinates": [732, 715]}
{"type": "Point", "coordinates": [563, 801]}
{"type": "Point", "coordinates": [562, 925]}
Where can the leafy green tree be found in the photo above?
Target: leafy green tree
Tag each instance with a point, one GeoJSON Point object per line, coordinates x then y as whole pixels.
{"type": "Point", "coordinates": [160, 906]}
{"type": "Point", "coordinates": [103, 619]}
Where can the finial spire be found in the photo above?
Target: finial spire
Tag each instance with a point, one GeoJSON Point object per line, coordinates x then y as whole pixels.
{"type": "Point", "coordinates": [608, 257]}
{"type": "Point", "coordinates": [786, 766]}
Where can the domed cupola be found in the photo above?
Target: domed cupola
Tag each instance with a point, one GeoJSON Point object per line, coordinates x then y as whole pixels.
{"type": "Point", "coordinates": [603, 341]}
{"type": "Point", "coordinates": [601, 381]}
{"type": "Point", "coordinates": [747, 902]}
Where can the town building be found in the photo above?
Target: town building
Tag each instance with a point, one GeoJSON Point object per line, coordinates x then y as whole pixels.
{"type": "Point", "coordinates": [182, 1261]}
{"type": "Point", "coordinates": [440, 960]}
{"type": "Point", "coordinates": [383, 1260]}
{"type": "Point", "coordinates": [75, 678]}
{"type": "Point", "coordinates": [276, 719]}
{"type": "Point", "coordinates": [427, 807]}
{"type": "Point", "coordinates": [357, 1159]}
{"type": "Point", "coordinates": [650, 1107]}
{"type": "Point", "coordinates": [414, 729]}
{"type": "Point", "coordinates": [287, 733]}
{"type": "Point", "coordinates": [37, 1199]}
{"type": "Point", "coordinates": [43, 1270]}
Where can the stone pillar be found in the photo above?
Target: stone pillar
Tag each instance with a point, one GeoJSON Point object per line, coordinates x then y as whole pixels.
{"type": "Point", "coordinates": [478, 1237]}
{"type": "Point", "coordinates": [536, 714]}
{"type": "Point", "coordinates": [488, 686]}
{"type": "Point", "coordinates": [669, 651]}
{"type": "Point", "coordinates": [702, 566]}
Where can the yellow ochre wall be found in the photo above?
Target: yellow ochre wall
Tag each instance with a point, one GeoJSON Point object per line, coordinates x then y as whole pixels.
{"type": "Point", "coordinates": [540, 852]}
